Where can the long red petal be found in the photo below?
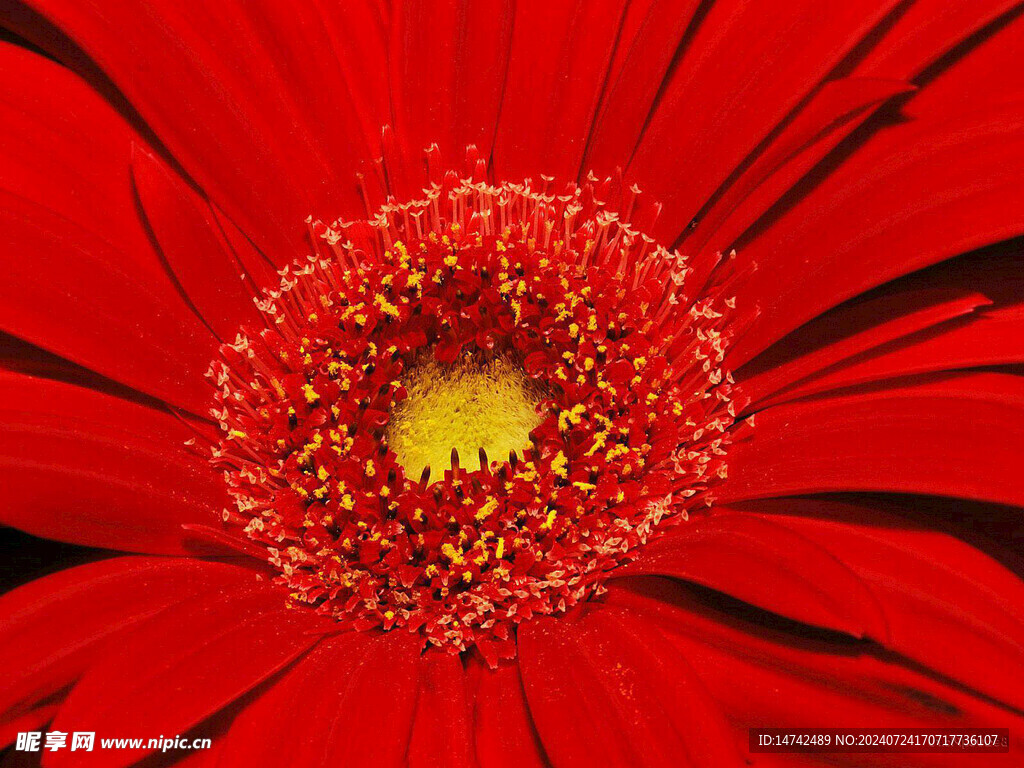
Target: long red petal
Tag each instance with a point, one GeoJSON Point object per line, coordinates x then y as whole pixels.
{"type": "Point", "coordinates": [989, 338]}
{"type": "Point", "coordinates": [651, 34]}
{"type": "Point", "coordinates": [90, 468]}
{"type": "Point", "coordinates": [187, 234]}
{"type": "Point", "coordinates": [379, 700]}
{"type": "Point", "coordinates": [603, 691]}
{"type": "Point", "coordinates": [53, 627]}
{"type": "Point", "coordinates": [916, 194]}
{"type": "Point", "coordinates": [78, 268]}
{"type": "Point", "coordinates": [764, 677]}
{"type": "Point", "coordinates": [947, 605]}
{"type": "Point", "coordinates": [556, 71]}
{"type": "Point", "coordinates": [504, 734]}
{"type": "Point", "coordinates": [853, 330]}
{"type": "Point", "coordinates": [759, 562]}
{"type": "Point", "coordinates": [831, 114]}
{"type": "Point", "coordinates": [350, 701]}
{"type": "Point", "coordinates": [262, 81]}
{"type": "Point", "coordinates": [186, 663]}
{"type": "Point", "coordinates": [442, 732]}
{"type": "Point", "coordinates": [984, 76]}
{"type": "Point", "coordinates": [919, 324]}
{"type": "Point", "coordinates": [287, 719]}
{"type": "Point", "coordinates": [927, 30]}
{"type": "Point", "coordinates": [712, 111]}
{"type": "Point", "coordinates": [961, 436]}
{"type": "Point", "coordinates": [448, 74]}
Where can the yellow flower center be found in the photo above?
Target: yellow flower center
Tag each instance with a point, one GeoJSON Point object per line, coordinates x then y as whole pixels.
{"type": "Point", "coordinates": [466, 406]}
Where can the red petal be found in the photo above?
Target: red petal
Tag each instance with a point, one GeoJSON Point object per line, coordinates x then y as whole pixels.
{"type": "Point", "coordinates": [925, 31]}
{"type": "Point", "coordinates": [53, 627]}
{"type": "Point", "coordinates": [992, 337]}
{"type": "Point", "coordinates": [915, 194]}
{"type": "Point", "coordinates": [764, 564]}
{"type": "Point", "coordinates": [556, 71]}
{"type": "Point", "coordinates": [184, 227]}
{"type": "Point", "coordinates": [186, 663]}
{"type": "Point", "coordinates": [442, 728]}
{"type": "Point", "coordinates": [986, 335]}
{"type": "Point", "coordinates": [448, 74]}
{"type": "Point", "coordinates": [380, 701]}
{"type": "Point", "coordinates": [86, 467]}
{"type": "Point", "coordinates": [80, 277]}
{"type": "Point", "coordinates": [605, 690]}
{"type": "Point", "coordinates": [850, 331]}
{"type": "Point", "coordinates": [332, 60]}
{"type": "Point", "coordinates": [961, 436]}
{"type": "Point", "coordinates": [947, 605]}
{"type": "Point", "coordinates": [350, 701]}
{"type": "Point", "coordinates": [762, 677]}
{"type": "Point", "coordinates": [831, 115]}
{"type": "Point", "coordinates": [288, 719]}
{"type": "Point", "coordinates": [745, 68]}
{"type": "Point", "coordinates": [986, 75]}
{"type": "Point", "coordinates": [651, 34]}
{"type": "Point", "coordinates": [17, 356]}
{"type": "Point", "coordinates": [254, 86]}
{"type": "Point", "coordinates": [260, 270]}
{"type": "Point", "coordinates": [504, 734]}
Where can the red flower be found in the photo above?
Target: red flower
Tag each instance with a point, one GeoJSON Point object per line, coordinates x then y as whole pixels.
{"type": "Point", "coordinates": [315, 581]}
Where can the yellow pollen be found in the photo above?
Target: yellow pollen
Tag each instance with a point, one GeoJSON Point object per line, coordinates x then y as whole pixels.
{"type": "Point", "coordinates": [546, 525]}
{"type": "Point", "coordinates": [572, 417]}
{"type": "Point", "coordinates": [310, 393]}
{"type": "Point", "coordinates": [558, 465]}
{"type": "Point", "coordinates": [453, 554]}
{"type": "Point", "coordinates": [486, 509]}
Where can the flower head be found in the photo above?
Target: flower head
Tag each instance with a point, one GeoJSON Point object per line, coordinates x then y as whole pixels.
{"type": "Point", "coordinates": [522, 324]}
{"type": "Point", "coordinates": [511, 464]}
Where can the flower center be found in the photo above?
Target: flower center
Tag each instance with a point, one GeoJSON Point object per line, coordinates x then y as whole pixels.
{"type": "Point", "coordinates": [462, 413]}
{"type": "Point", "coordinates": [532, 350]}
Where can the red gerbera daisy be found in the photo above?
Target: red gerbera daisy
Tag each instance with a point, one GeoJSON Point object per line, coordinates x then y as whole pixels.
{"type": "Point", "coordinates": [657, 377]}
